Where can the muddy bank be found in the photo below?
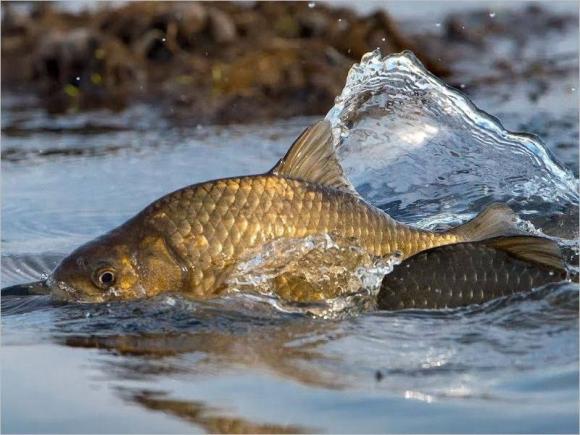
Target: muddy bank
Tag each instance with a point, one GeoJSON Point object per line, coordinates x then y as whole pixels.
{"type": "Point", "coordinates": [224, 62]}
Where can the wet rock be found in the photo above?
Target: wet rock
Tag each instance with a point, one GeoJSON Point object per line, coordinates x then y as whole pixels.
{"type": "Point", "coordinates": [312, 24]}
{"type": "Point", "coordinates": [156, 45]}
{"type": "Point", "coordinates": [222, 28]}
{"type": "Point", "coordinates": [191, 20]}
{"type": "Point", "coordinates": [80, 69]}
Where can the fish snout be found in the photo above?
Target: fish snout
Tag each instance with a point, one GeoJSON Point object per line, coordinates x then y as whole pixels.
{"type": "Point", "coordinates": [60, 291]}
{"type": "Point", "coordinates": [29, 289]}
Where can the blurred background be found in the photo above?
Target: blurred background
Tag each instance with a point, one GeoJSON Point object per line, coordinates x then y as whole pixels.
{"type": "Point", "coordinates": [224, 62]}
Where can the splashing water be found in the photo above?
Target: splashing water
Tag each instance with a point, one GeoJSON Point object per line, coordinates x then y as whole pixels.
{"type": "Point", "coordinates": [341, 277]}
{"type": "Point", "coordinates": [424, 153]}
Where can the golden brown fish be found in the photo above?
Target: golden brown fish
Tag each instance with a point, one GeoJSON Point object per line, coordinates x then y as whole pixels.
{"type": "Point", "coordinates": [191, 240]}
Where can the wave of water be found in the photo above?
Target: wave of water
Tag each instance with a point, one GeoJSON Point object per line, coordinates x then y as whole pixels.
{"type": "Point", "coordinates": [424, 153]}
{"type": "Point", "coordinates": [342, 276]}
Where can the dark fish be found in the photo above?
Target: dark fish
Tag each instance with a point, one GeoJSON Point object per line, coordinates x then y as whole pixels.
{"type": "Point", "coordinates": [472, 273]}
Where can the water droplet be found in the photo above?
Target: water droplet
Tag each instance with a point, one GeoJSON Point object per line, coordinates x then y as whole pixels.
{"type": "Point", "coordinates": [438, 24]}
{"type": "Point", "coordinates": [78, 78]}
{"type": "Point", "coordinates": [340, 20]}
{"type": "Point", "coordinates": [492, 14]}
{"type": "Point", "coordinates": [462, 85]}
{"type": "Point", "coordinates": [383, 39]}
{"type": "Point", "coordinates": [573, 89]}
{"type": "Point", "coordinates": [311, 5]}
{"type": "Point", "coordinates": [163, 39]}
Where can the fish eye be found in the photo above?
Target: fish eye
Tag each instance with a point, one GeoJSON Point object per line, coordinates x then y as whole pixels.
{"type": "Point", "coordinates": [105, 278]}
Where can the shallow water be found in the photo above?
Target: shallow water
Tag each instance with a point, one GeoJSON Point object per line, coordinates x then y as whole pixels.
{"type": "Point", "coordinates": [248, 364]}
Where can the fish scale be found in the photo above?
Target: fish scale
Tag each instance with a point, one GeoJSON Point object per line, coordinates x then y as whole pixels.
{"type": "Point", "coordinates": [261, 209]}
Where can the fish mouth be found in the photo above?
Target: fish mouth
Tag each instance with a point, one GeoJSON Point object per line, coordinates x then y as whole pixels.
{"type": "Point", "coordinates": [62, 292]}
{"type": "Point", "coordinates": [29, 289]}
{"type": "Point", "coordinates": [58, 291]}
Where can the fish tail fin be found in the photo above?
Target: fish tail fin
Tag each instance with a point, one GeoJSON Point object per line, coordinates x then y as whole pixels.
{"type": "Point", "coordinates": [495, 221]}
{"type": "Point", "coordinates": [496, 227]}
{"type": "Point", "coordinates": [533, 249]}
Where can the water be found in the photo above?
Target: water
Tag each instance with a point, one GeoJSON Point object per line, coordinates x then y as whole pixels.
{"type": "Point", "coordinates": [409, 141]}
{"type": "Point", "coordinates": [251, 364]}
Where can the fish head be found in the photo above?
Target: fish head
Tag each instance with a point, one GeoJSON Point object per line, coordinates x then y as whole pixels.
{"type": "Point", "coordinates": [99, 271]}
{"type": "Point", "coordinates": [121, 265]}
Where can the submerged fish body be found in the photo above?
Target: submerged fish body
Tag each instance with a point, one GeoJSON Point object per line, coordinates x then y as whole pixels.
{"type": "Point", "coordinates": [471, 273]}
{"type": "Point", "coordinates": [190, 240]}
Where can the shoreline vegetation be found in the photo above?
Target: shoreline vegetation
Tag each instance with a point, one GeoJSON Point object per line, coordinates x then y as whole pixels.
{"type": "Point", "coordinates": [220, 62]}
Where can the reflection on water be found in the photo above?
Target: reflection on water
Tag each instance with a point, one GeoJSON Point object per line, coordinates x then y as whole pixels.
{"type": "Point", "coordinates": [289, 350]}
{"type": "Point", "coordinates": [210, 419]}
{"type": "Point", "coordinates": [235, 365]}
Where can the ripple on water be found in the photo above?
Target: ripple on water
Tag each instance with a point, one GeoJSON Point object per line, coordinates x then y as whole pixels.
{"type": "Point", "coordinates": [473, 353]}
{"type": "Point", "coordinates": [17, 269]}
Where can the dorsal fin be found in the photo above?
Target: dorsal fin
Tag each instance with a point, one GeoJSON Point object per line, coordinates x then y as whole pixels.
{"type": "Point", "coordinates": [495, 221]}
{"type": "Point", "coordinates": [530, 248]}
{"type": "Point", "coordinates": [312, 158]}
